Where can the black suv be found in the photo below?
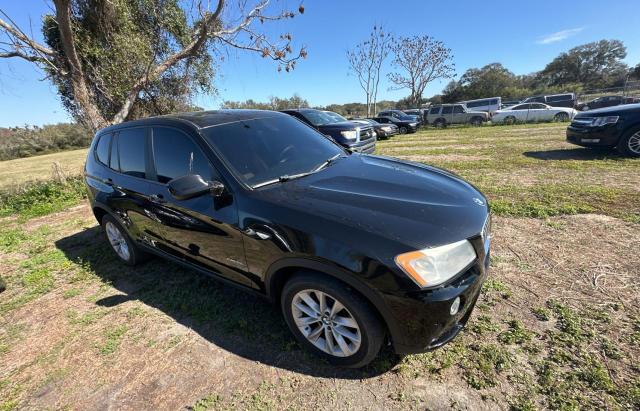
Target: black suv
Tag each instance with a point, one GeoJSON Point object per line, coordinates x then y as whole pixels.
{"type": "Point", "coordinates": [355, 249]}
{"type": "Point", "coordinates": [609, 127]}
{"type": "Point", "coordinates": [606, 101]}
{"type": "Point", "coordinates": [355, 137]}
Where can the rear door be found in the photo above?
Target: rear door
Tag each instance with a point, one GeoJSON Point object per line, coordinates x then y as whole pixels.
{"type": "Point", "coordinates": [129, 158]}
{"type": "Point", "coordinates": [458, 115]}
{"type": "Point", "coordinates": [447, 113]}
{"type": "Point", "coordinates": [540, 112]}
{"type": "Point", "coordinates": [201, 230]}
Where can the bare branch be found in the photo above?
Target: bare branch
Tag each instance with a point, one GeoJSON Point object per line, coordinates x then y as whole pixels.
{"type": "Point", "coordinates": [14, 31]}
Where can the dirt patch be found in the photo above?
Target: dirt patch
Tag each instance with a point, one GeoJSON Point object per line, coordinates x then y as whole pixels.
{"type": "Point", "coordinates": [127, 340]}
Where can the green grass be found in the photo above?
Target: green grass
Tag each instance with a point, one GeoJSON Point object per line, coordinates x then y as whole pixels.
{"type": "Point", "coordinates": [41, 198]}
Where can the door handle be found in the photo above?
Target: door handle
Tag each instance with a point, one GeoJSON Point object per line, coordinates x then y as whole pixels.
{"type": "Point", "coordinates": [257, 234]}
{"type": "Point", "coordinates": [157, 198]}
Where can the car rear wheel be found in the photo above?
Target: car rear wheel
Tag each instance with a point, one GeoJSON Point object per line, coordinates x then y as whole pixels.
{"type": "Point", "coordinates": [402, 130]}
{"type": "Point", "coordinates": [121, 243]}
{"type": "Point", "coordinates": [332, 320]}
{"type": "Point", "coordinates": [439, 123]}
{"type": "Point", "coordinates": [561, 117]}
{"type": "Point", "coordinates": [629, 144]}
{"type": "Point", "coordinates": [509, 120]}
{"type": "Point", "coordinates": [476, 121]}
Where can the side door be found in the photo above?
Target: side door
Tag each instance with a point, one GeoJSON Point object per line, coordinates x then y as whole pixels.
{"type": "Point", "coordinates": [521, 112]}
{"type": "Point", "coordinates": [447, 113]}
{"type": "Point", "coordinates": [201, 230]}
{"type": "Point", "coordinates": [540, 112]}
{"type": "Point", "coordinates": [130, 160]}
{"type": "Point", "coordinates": [458, 116]}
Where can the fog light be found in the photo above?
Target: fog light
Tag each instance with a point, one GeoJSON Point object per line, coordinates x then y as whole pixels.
{"type": "Point", "coordinates": [455, 306]}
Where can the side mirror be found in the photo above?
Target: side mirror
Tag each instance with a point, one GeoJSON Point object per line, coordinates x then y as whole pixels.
{"type": "Point", "coordinates": [193, 185]}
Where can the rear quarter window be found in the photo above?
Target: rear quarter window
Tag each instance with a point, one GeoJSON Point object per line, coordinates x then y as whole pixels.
{"type": "Point", "coordinates": [447, 110]}
{"type": "Point", "coordinates": [434, 110]}
{"type": "Point", "coordinates": [102, 149]}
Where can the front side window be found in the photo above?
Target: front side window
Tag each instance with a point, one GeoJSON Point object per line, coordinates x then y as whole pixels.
{"type": "Point", "coordinates": [458, 109]}
{"type": "Point", "coordinates": [447, 109]}
{"type": "Point", "coordinates": [102, 149]}
{"type": "Point", "coordinates": [263, 149]}
{"type": "Point", "coordinates": [176, 155]}
{"type": "Point", "coordinates": [131, 147]}
{"type": "Point", "coordinates": [434, 110]}
{"type": "Point", "coordinates": [521, 107]}
{"type": "Point", "coordinates": [538, 106]}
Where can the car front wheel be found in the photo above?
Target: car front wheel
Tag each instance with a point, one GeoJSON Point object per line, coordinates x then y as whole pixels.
{"type": "Point", "coordinates": [561, 117]}
{"type": "Point", "coordinates": [403, 130]}
{"type": "Point", "coordinates": [121, 243]}
{"type": "Point", "coordinates": [629, 144]}
{"type": "Point", "coordinates": [332, 320]}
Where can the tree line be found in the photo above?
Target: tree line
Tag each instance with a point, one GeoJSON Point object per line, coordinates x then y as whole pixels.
{"type": "Point", "coordinates": [27, 141]}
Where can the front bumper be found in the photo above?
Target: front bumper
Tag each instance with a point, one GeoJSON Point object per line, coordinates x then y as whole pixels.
{"type": "Point", "coordinates": [604, 136]}
{"type": "Point", "coordinates": [364, 146]}
{"type": "Point", "coordinates": [428, 322]}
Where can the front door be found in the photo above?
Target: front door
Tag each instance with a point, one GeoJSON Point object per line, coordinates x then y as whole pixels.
{"type": "Point", "coordinates": [202, 230]}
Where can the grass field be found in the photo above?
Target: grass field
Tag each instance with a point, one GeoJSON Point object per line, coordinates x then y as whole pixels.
{"type": "Point", "coordinates": [557, 325]}
{"type": "Point", "coordinates": [17, 172]}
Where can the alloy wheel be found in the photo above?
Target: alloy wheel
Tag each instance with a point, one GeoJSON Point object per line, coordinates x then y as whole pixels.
{"type": "Point", "coordinates": [634, 143]}
{"type": "Point", "coordinates": [326, 323]}
{"type": "Point", "coordinates": [117, 241]}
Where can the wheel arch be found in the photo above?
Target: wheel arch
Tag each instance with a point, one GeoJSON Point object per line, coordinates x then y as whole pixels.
{"type": "Point", "coordinates": [627, 130]}
{"type": "Point", "coordinates": [280, 271]}
{"type": "Point", "coordinates": [99, 212]}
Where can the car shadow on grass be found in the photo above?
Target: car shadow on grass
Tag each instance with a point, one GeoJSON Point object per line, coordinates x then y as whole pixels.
{"type": "Point", "coordinates": [574, 154]}
{"type": "Point", "coordinates": [236, 321]}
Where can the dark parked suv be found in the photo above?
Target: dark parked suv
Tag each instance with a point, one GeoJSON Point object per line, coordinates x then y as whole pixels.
{"type": "Point", "coordinates": [355, 249]}
{"type": "Point", "coordinates": [355, 137]}
{"type": "Point", "coordinates": [609, 127]}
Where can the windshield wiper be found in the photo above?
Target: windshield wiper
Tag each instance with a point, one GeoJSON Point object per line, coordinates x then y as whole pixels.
{"type": "Point", "coordinates": [288, 177]}
{"type": "Point", "coordinates": [282, 179]}
{"type": "Point", "coordinates": [326, 163]}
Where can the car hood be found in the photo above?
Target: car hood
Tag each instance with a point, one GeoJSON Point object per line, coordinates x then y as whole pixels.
{"type": "Point", "coordinates": [413, 204]}
{"type": "Point", "coordinates": [342, 125]}
{"type": "Point", "coordinates": [620, 109]}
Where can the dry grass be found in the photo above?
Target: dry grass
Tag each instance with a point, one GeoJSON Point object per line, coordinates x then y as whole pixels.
{"type": "Point", "coordinates": [19, 171]}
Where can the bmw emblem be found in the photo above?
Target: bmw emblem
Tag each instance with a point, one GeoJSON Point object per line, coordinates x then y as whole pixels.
{"type": "Point", "coordinates": [478, 201]}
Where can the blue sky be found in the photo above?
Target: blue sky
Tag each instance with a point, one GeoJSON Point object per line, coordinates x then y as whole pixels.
{"type": "Point", "coordinates": [522, 36]}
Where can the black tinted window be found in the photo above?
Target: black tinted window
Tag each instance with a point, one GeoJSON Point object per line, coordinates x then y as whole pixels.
{"type": "Point", "coordinates": [131, 147]}
{"type": "Point", "coordinates": [458, 109]}
{"type": "Point", "coordinates": [176, 155]}
{"type": "Point", "coordinates": [521, 107]}
{"type": "Point", "coordinates": [102, 149]}
{"type": "Point", "coordinates": [447, 109]}
{"type": "Point", "coordinates": [560, 97]}
{"type": "Point", "coordinates": [434, 110]}
{"type": "Point", "coordinates": [264, 149]}
{"type": "Point", "coordinates": [115, 161]}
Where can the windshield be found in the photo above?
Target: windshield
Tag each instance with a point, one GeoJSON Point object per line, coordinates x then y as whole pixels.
{"type": "Point", "coordinates": [263, 149]}
{"type": "Point", "coordinates": [337, 117]}
{"type": "Point", "coordinates": [318, 118]}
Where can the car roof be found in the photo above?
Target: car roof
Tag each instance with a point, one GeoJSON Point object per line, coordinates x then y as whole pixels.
{"type": "Point", "coordinates": [198, 119]}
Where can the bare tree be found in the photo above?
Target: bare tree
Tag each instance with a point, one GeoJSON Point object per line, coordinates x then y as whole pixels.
{"type": "Point", "coordinates": [365, 62]}
{"type": "Point", "coordinates": [211, 29]}
{"type": "Point", "coordinates": [422, 60]}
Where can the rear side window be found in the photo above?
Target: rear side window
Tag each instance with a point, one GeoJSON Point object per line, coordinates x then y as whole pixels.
{"type": "Point", "coordinates": [434, 110]}
{"type": "Point", "coordinates": [176, 155]}
{"type": "Point", "coordinates": [102, 149]}
{"type": "Point", "coordinates": [560, 97]}
{"type": "Point", "coordinates": [458, 109]}
{"type": "Point", "coordinates": [521, 107]}
{"type": "Point", "coordinates": [131, 147]}
{"type": "Point", "coordinates": [447, 110]}
{"type": "Point", "coordinates": [115, 161]}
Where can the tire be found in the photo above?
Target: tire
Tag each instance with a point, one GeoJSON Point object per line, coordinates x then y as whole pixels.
{"type": "Point", "coordinates": [124, 248]}
{"type": "Point", "coordinates": [475, 121]}
{"type": "Point", "coordinates": [509, 120]}
{"type": "Point", "coordinates": [629, 144]}
{"type": "Point", "coordinates": [561, 117]}
{"type": "Point", "coordinates": [439, 123]}
{"type": "Point", "coordinates": [355, 310]}
{"type": "Point", "coordinates": [402, 130]}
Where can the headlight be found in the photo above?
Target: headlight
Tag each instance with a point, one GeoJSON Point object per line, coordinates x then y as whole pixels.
{"type": "Point", "coordinates": [413, 124]}
{"type": "Point", "coordinates": [601, 121]}
{"type": "Point", "coordinates": [434, 266]}
{"type": "Point", "coordinates": [350, 134]}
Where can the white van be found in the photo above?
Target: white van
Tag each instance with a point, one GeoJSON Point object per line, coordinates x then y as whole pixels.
{"type": "Point", "coordinates": [490, 105]}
